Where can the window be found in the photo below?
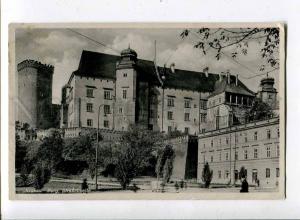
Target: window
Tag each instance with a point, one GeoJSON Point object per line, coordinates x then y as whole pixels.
{"type": "Point", "coordinates": [268, 152]}
{"type": "Point", "coordinates": [187, 103]}
{"type": "Point", "coordinates": [277, 172]}
{"type": "Point", "coordinates": [186, 130]}
{"type": "Point", "coordinates": [226, 156]}
{"type": "Point", "coordinates": [270, 96]}
{"type": "Point", "coordinates": [211, 143]}
{"type": "Point", "coordinates": [245, 154]}
{"type": "Point", "coordinates": [106, 124]}
{"type": "Point", "coordinates": [255, 136]}
{"type": "Point", "coordinates": [278, 151]}
{"type": "Point", "coordinates": [186, 116]}
{"type": "Point", "coordinates": [268, 173]}
{"type": "Point", "coordinates": [203, 104]}
{"type": "Point", "coordinates": [254, 175]}
{"type": "Point", "coordinates": [278, 132]}
{"type": "Point", "coordinates": [124, 74]}
{"type": "Point", "coordinates": [226, 174]}
{"type": "Point", "coordinates": [268, 134]}
{"type": "Point", "coordinates": [255, 153]}
{"type": "Point", "coordinates": [202, 117]}
{"type": "Point", "coordinates": [120, 110]}
{"type": "Point", "coordinates": [211, 159]}
{"type": "Point", "coordinates": [89, 122]}
{"type": "Point", "coordinates": [227, 140]}
{"type": "Point", "coordinates": [220, 174]}
{"type": "Point", "coordinates": [246, 138]}
{"type": "Point", "coordinates": [203, 130]}
{"type": "Point", "coordinates": [106, 109]}
{"type": "Point", "coordinates": [124, 94]}
{"type": "Point", "coordinates": [89, 93]}
{"type": "Point", "coordinates": [220, 156]}
{"type": "Point", "coordinates": [170, 115]}
{"type": "Point", "coordinates": [89, 107]}
{"type": "Point", "coordinates": [236, 156]}
{"type": "Point", "coordinates": [236, 139]}
{"type": "Point", "coordinates": [170, 102]}
{"type": "Point", "coordinates": [220, 100]}
{"type": "Point", "coordinates": [151, 114]}
{"type": "Point", "coordinates": [169, 129]}
{"type": "Point", "coordinates": [107, 94]}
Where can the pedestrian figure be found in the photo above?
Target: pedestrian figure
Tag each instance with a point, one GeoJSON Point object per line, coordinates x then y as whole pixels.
{"type": "Point", "coordinates": [181, 184]}
{"type": "Point", "coordinates": [257, 182]}
{"type": "Point", "coordinates": [84, 186]}
{"type": "Point", "coordinates": [245, 186]}
{"type": "Point", "coordinates": [135, 188]}
{"type": "Point", "coordinates": [176, 186]}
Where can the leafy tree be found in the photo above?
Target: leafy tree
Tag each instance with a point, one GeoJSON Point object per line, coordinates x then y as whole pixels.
{"type": "Point", "coordinates": [83, 148]}
{"type": "Point", "coordinates": [164, 165]}
{"type": "Point", "coordinates": [237, 39]}
{"type": "Point", "coordinates": [42, 175]}
{"type": "Point", "coordinates": [21, 150]}
{"type": "Point", "coordinates": [134, 153]}
{"type": "Point", "coordinates": [259, 110]}
{"type": "Point", "coordinates": [50, 150]}
{"type": "Point", "coordinates": [207, 175]}
{"type": "Point", "coordinates": [243, 173]}
{"type": "Point", "coordinates": [47, 156]}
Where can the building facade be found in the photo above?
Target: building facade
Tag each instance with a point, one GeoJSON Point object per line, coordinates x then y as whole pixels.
{"type": "Point", "coordinates": [254, 146]}
{"type": "Point", "coordinates": [122, 90]}
{"type": "Point", "coordinates": [232, 140]}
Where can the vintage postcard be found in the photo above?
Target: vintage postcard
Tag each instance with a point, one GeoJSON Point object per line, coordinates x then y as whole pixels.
{"type": "Point", "coordinates": [147, 111]}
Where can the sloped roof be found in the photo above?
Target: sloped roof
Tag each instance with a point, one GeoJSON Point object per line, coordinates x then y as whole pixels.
{"type": "Point", "coordinates": [223, 86]}
{"type": "Point", "coordinates": [100, 65]}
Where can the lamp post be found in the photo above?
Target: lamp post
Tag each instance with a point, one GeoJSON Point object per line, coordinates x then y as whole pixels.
{"type": "Point", "coordinates": [96, 159]}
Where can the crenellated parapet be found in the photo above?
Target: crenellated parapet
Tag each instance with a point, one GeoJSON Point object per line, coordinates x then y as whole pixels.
{"type": "Point", "coordinates": [35, 64]}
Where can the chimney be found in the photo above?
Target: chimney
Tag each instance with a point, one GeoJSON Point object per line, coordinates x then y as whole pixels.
{"type": "Point", "coordinates": [228, 78]}
{"type": "Point", "coordinates": [205, 70]}
{"type": "Point", "coordinates": [236, 79]}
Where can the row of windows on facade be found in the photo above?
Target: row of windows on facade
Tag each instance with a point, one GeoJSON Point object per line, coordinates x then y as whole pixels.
{"type": "Point", "coordinates": [246, 154]}
{"type": "Point", "coordinates": [186, 129]}
{"type": "Point", "coordinates": [89, 123]}
{"type": "Point", "coordinates": [187, 103]}
{"type": "Point", "coordinates": [107, 93]}
{"type": "Point", "coordinates": [186, 116]}
{"type": "Point", "coordinates": [90, 108]}
{"type": "Point", "coordinates": [255, 135]}
{"type": "Point", "coordinates": [254, 174]}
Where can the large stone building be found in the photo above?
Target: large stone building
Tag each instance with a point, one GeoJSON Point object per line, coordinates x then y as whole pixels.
{"type": "Point", "coordinates": [254, 146]}
{"type": "Point", "coordinates": [34, 95]}
{"type": "Point", "coordinates": [232, 141]}
{"type": "Point", "coordinates": [126, 90]}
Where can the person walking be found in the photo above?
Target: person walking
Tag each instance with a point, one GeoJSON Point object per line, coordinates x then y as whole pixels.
{"type": "Point", "coordinates": [245, 186]}
{"type": "Point", "coordinates": [84, 186]}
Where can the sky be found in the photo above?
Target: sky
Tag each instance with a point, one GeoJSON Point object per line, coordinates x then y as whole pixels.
{"type": "Point", "coordinates": [62, 48]}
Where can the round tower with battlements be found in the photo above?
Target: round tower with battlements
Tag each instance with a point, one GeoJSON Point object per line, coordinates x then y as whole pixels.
{"type": "Point", "coordinates": [34, 100]}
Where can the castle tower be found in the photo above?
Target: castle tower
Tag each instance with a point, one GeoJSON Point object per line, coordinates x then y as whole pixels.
{"type": "Point", "coordinates": [268, 93]}
{"type": "Point", "coordinates": [34, 94]}
{"type": "Point", "coordinates": [126, 84]}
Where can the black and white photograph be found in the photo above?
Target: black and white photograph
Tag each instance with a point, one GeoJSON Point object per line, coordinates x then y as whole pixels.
{"type": "Point", "coordinates": [185, 111]}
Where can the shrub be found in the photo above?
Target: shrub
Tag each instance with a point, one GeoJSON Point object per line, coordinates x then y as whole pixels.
{"type": "Point", "coordinates": [41, 176]}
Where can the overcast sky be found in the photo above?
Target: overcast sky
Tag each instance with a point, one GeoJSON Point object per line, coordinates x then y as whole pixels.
{"type": "Point", "coordinates": [62, 48]}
